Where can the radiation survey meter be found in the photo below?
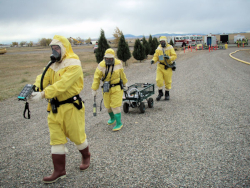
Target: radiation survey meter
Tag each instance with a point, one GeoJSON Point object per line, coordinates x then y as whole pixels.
{"type": "Point", "coordinates": [24, 96]}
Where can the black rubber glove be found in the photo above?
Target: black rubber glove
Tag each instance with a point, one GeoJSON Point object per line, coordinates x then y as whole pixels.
{"type": "Point", "coordinates": [167, 57]}
{"type": "Point", "coordinates": [152, 62]}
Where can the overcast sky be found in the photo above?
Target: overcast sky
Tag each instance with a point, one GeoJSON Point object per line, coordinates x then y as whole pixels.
{"type": "Point", "coordinates": [31, 20]}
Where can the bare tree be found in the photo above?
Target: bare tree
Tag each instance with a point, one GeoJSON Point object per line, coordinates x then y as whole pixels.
{"type": "Point", "coordinates": [23, 43]}
{"type": "Point", "coordinates": [88, 40]}
{"type": "Point", "coordinates": [117, 35]}
{"type": "Point", "coordinates": [30, 44]}
{"type": "Point", "coordinates": [48, 41]}
{"type": "Point", "coordinates": [42, 42]}
{"type": "Point", "coordinates": [14, 44]}
{"type": "Point", "coordinates": [45, 42]}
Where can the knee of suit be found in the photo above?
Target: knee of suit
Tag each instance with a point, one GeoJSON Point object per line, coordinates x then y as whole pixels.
{"type": "Point", "coordinates": [159, 83]}
{"type": "Point", "coordinates": [168, 85]}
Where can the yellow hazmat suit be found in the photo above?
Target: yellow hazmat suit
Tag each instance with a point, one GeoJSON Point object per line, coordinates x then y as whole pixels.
{"type": "Point", "coordinates": [113, 98]}
{"type": "Point", "coordinates": [63, 80]}
{"type": "Point", "coordinates": [162, 74]}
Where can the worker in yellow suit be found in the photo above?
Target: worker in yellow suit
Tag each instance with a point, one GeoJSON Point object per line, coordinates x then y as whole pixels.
{"type": "Point", "coordinates": [111, 72]}
{"type": "Point", "coordinates": [63, 83]}
{"type": "Point", "coordinates": [165, 55]}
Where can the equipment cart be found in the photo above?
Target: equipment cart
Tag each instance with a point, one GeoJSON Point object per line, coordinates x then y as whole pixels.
{"type": "Point", "coordinates": [136, 93]}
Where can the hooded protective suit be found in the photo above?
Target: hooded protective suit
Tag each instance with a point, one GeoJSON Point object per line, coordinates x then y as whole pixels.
{"type": "Point", "coordinates": [112, 98]}
{"type": "Point", "coordinates": [162, 74]}
{"type": "Point", "coordinates": [63, 80]}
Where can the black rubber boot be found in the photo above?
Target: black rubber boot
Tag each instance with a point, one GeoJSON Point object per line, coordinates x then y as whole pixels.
{"type": "Point", "coordinates": [166, 95]}
{"type": "Point", "coordinates": [160, 95]}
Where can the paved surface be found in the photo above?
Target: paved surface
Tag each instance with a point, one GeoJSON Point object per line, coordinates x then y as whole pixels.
{"type": "Point", "coordinates": [200, 138]}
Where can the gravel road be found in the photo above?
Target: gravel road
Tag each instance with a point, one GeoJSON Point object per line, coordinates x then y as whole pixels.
{"type": "Point", "coordinates": [200, 138]}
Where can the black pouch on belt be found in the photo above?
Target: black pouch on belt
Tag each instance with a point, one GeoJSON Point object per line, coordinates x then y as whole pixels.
{"type": "Point", "coordinates": [54, 105]}
{"type": "Point", "coordinates": [174, 66]}
{"type": "Point", "coordinates": [166, 67]}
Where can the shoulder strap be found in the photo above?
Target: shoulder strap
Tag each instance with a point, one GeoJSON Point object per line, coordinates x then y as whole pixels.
{"type": "Point", "coordinates": [165, 58]}
{"type": "Point", "coordinates": [106, 72]}
{"type": "Point", "coordinates": [111, 71]}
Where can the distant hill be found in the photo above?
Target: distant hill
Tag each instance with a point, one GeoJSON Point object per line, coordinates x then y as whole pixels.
{"type": "Point", "coordinates": [160, 34]}
{"type": "Point", "coordinates": [129, 36]}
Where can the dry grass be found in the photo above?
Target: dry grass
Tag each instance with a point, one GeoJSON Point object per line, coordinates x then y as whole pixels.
{"type": "Point", "coordinates": [20, 66]}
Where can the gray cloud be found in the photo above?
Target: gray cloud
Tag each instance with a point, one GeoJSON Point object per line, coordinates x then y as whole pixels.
{"type": "Point", "coordinates": [31, 20]}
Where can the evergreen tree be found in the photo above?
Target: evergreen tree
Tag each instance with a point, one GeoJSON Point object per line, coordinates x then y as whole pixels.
{"type": "Point", "coordinates": [123, 52]}
{"type": "Point", "coordinates": [171, 42]}
{"type": "Point", "coordinates": [151, 45]}
{"type": "Point", "coordinates": [155, 44]}
{"type": "Point", "coordinates": [146, 45]}
{"type": "Point", "coordinates": [102, 47]}
{"type": "Point", "coordinates": [139, 50]}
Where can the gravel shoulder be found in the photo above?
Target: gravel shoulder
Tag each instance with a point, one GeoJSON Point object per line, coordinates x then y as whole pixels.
{"type": "Point", "coordinates": [200, 138]}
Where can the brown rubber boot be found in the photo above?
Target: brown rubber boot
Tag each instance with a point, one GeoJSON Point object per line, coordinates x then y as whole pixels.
{"type": "Point", "coordinates": [85, 158]}
{"type": "Point", "coordinates": [59, 168]}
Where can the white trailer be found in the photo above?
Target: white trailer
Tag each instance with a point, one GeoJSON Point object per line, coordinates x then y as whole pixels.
{"type": "Point", "coordinates": [210, 40]}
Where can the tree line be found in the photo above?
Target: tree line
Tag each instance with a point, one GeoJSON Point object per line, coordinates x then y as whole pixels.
{"type": "Point", "coordinates": [142, 48]}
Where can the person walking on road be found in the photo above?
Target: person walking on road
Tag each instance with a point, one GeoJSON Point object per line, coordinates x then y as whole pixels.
{"type": "Point", "coordinates": [63, 82]}
{"type": "Point", "coordinates": [165, 55]}
{"type": "Point", "coordinates": [111, 72]}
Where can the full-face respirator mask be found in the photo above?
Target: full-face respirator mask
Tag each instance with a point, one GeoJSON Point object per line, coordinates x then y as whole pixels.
{"type": "Point", "coordinates": [55, 56]}
{"type": "Point", "coordinates": [163, 44]}
{"type": "Point", "coordinates": [109, 61]}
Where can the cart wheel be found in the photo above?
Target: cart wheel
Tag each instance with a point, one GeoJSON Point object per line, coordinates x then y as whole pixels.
{"type": "Point", "coordinates": [150, 102]}
{"type": "Point", "coordinates": [142, 107]}
{"type": "Point", "coordinates": [125, 107]}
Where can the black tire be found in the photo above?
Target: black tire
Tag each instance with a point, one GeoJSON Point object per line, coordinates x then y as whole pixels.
{"type": "Point", "coordinates": [126, 107]}
{"type": "Point", "coordinates": [150, 102]}
{"type": "Point", "coordinates": [142, 107]}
